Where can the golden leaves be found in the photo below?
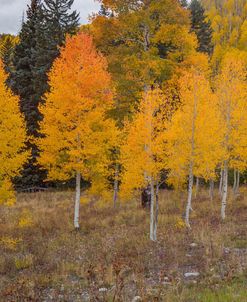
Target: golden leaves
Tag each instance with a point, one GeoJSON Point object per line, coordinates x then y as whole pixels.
{"type": "Point", "coordinates": [12, 140]}
{"type": "Point", "coordinates": [77, 133]}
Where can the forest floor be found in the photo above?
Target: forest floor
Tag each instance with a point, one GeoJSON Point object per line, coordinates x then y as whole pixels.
{"type": "Point", "coordinates": [111, 258]}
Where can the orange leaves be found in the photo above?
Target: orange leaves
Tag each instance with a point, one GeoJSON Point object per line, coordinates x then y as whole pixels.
{"type": "Point", "coordinates": [82, 70]}
{"type": "Point", "coordinates": [77, 132]}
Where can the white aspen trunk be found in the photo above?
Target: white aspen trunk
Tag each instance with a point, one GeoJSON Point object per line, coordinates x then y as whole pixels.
{"type": "Point", "coordinates": [189, 200]}
{"type": "Point", "coordinates": [191, 167]}
{"type": "Point", "coordinates": [211, 189]}
{"type": "Point", "coordinates": [224, 193]}
{"type": "Point", "coordinates": [152, 210]}
{"type": "Point", "coordinates": [221, 181]}
{"type": "Point", "coordinates": [197, 186]}
{"type": "Point", "coordinates": [156, 211]}
{"type": "Point", "coordinates": [115, 193]}
{"type": "Point", "coordinates": [77, 200]}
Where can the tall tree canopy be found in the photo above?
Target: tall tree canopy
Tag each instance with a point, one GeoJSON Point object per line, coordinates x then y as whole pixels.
{"type": "Point", "coordinates": [144, 41]}
{"type": "Point", "coordinates": [77, 134]}
{"type": "Point", "coordinates": [40, 38]}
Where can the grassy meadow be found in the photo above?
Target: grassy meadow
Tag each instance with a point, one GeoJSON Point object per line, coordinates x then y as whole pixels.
{"type": "Point", "coordinates": [111, 257]}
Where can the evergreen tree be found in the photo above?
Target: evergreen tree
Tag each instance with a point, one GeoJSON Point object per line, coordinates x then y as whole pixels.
{"type": "Point", "coordinates": [40, 38]}
{"type": "Point", "coordinates": [60, 21]}
{"type": "Point", "coordinates": [55, 22]}
{"type": "Point", "coordinates": [201, 27]}
{"type": "Point", "coordinates": [21, 81]}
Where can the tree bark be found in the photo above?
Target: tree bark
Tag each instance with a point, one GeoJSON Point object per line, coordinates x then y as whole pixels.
{"type": "Point", "coordinates": [156, 211]}
{"type": "Point", "coordinates": [189, 200]}
{"type": "Point", "coordinates": [152, 210]}
{"type": "Point", "coordinates": [77, 200]}
{"type": "Point", "coordinates": [221, 181]}
{"type": "Point", "coordinates": [235, 181]}
{"type": "Point", "coordinates": [191, 167]}
{"type": "Point", "coordinates": [115, 193]}
{"type": "Point", "coordinates": [224, 193]}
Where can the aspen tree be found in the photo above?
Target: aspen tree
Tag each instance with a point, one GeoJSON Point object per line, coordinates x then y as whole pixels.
{"type": "Point", "coordinates": [232, 94]}
{"type": "Point", "coordinates": [77, 135]}
{"type": "Point", "coordinates": [142, 49]}
{"type": "Point", "coordinates": [228, 21]}
{"type": "Point", "coordinates": [142, 153]}
{"type": "Point", "coordinates": [193, 142]}
{"type": "Point", "coordinates": [12, 140]}
{"type": "Point", "coordinates": [221, 181]}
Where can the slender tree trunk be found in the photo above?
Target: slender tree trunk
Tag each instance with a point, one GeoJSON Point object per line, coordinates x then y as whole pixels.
{"type": "Point", "coordinates": [235, 181]}
{"type": "Point", "coordinates": [191, 168]}
{"type": "Point", "coordinates": [156, 211]}
{"type": "Point", "coordinates": [221, 181]}
{"type": "Point", "coordinates": [197, 186]}
{"type": "Point", "coordinates": [211, 189]}
{"type": "Point", "coordinates": [225, 189]}
{"type": "Point", "coordinates": [189, 201]}
{"type": "Point", "coordinates": [152, 218]}
{"type": "Point", "coordinates": [77, 200]}
{"type": "Point", "coordinates": [116, 183]}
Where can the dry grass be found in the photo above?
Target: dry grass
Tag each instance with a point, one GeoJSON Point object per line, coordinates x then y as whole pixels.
{"type": "Point", "coordinates": [111, 258]}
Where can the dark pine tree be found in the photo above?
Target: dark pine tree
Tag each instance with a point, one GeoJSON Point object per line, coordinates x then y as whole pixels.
{"type": "Point", "coordinates": [201, 27]}
{"type": "Point", "coordinates": [60, 21]}
{"type": "Point", "coordinates": [56, 21]}
{"type": "Point", "coordinates": [40, 38]}
{"type": "Point", "coordinates": [21, 81]}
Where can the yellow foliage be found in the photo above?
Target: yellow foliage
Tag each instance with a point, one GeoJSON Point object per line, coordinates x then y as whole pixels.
{"type": "Point", "coordinates": [7, 194]}
{"type": "Point", "coordinates": [180, 224]}
{"type": "Point", "coordinates": [10, 243]}
{"type": "Point", "coordinates": [193, 135]}
{"type": "Point", "coordinates": [232, 105]}
{"type": "Point", "coordinates": [84, 200]}
{"type": "Point", "coordinates": [23, 262]}
{"type": "Point", "coordinates": [142, 155]}
{"type": "Point", "coordinates": [26, 219]}
{"type": "Point", "coordinates": [228, 20]}
{"type": "Point", "coordinates": [12, 139]}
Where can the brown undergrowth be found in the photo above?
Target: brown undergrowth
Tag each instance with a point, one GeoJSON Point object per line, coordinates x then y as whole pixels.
{"type": "Point", "coordinates": [111, 258]}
